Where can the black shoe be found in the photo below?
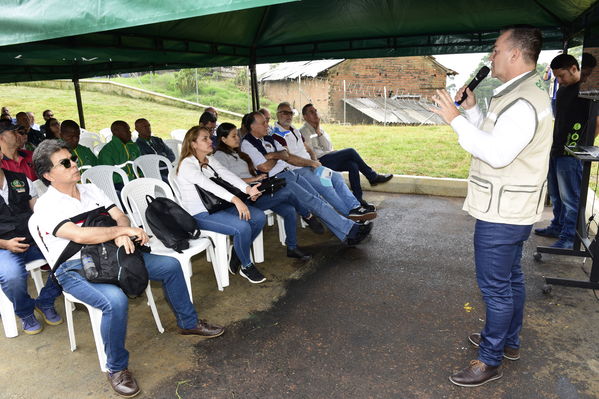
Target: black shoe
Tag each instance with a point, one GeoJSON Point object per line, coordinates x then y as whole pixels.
{"type": "Point", "coordinates": [297, 254]}
{"type": "Point", "coordinates": [367, 206]}
{"type": "Point", "coordinates": [252, 274]}
{"type": "Point", "coordinates": [380, 179]}
{"type": "Point", "coordinates": [358, 233]}
{"type": "Point", "coordinates": [314, 224]}
{"type": "Point", "coordinates": [234, 263]}
{"type": "Point", "coordinates": [361, 213]}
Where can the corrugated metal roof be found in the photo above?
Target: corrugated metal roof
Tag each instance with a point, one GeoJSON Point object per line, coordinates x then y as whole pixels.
{"type": "Point", "coordinates": [400, 111]}
{"type": "Point", "coordinates": [291, 70]}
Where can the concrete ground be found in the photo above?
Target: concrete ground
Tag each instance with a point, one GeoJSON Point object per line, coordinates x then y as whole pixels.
{"type": "Point", "coordinates": [388, 319]}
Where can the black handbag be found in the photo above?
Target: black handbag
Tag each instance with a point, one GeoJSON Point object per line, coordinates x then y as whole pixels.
{"type": "Point", "coordinates": [271, 185]}
{"type": "Point", "coordinates": [213, 203]}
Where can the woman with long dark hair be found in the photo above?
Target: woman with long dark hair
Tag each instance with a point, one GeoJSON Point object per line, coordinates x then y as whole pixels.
{"type": "Point", "coordinates": [243, 222]}
{"type": "Point", "coordinates": [287, 201]}
{"type": "Point", "coordinates": [52, 129]}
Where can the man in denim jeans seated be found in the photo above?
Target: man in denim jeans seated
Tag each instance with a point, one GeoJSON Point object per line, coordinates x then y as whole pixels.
{"type": "Point", "coordinates": [17, 196]}
{"type": "Point", "coordinates": [56, 168]}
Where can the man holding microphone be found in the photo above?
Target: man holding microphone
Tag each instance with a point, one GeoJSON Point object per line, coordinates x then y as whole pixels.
{"type": "Point", "coordinates": [506, 188]}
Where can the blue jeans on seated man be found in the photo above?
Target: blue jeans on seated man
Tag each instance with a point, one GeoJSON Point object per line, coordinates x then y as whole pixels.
{"type": "Point", "coordinates": [227, 222]}
{"type": "Point", "coordinates": [113, 303]}
{"type": "Point", "coordinates": [348, 160]}
{"type": "Point", "coordinates": [564, 179]}
{"type": "Point", "coordinates": [338, 196]}
{"type": "Point", "coordinates": [497, 255]}
{"type": "Point", "coordinates": [13, 280]}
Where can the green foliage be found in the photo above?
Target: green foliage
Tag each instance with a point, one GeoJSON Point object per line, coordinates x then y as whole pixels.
{"type": "Point", "coordinates": [185, 81]}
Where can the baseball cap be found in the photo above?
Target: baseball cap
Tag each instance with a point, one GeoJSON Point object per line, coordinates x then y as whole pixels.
{"type": "Point", "coordinates": [5, 127]}
{"type": "Point", "coordinates": [325, 174]}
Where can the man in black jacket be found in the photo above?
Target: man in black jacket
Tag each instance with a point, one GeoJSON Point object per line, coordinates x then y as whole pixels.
{"type": "Point", "coordinates": [17, 197]}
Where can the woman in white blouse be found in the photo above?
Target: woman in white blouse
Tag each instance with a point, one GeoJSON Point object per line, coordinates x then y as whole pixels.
{"type": "Point", "coordinates": [241, 221]}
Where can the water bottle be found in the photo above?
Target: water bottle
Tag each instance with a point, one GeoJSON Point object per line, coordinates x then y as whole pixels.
{"type": "Point", "coordinates": [89, 267]}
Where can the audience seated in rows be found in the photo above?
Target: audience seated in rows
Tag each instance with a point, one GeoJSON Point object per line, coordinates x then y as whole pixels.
{"type": "Point", "coordinates": [120, 150]}
{"type": "Point", "coordinates": [14, 158]}
{"type": "Point", "coordinates": [70, 134]}
{"type": "Point", "coordinates": [287, 201]}
{"type": "Point", "coordinates": [52, 161]}
{"type": "Point", "coordinates": [243, 222]}
{"type": "Point", "coordinates": [346, 160]}
{"type": "Point", "coordinates": [17, 197]}
{"type": "Point", "coordinates": [291, 157]}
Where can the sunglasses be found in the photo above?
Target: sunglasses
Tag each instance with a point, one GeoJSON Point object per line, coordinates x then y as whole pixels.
{"type": "Point", "coordinates": [67, 162]}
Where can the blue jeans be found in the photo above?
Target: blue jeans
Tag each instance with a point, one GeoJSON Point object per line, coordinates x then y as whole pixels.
{"type": "Point", "coordinates": [13, 280]}
{"type": "Point", "coordinates": [244, 232]}
{"type": "Point", "coordinates": [339, 195]}
{"type": "Point", "coordinates": [497, 254]}
{"type": "Point", "coordinates": [348, 160]}
{"type": "Point", "coordinates": [113, 303]}
{"type": "Point", "coordinates": [307, 197]}
{"type": "Point", "coordinates": [564, 179]}
{"type": "Point", "coordinates": [284, 204]}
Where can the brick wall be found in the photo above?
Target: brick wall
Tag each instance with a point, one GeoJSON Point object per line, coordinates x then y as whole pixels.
{"type": "Point", "coordinates": [315, 91]}
{"type": "Point", "coordinates": [368, 77]}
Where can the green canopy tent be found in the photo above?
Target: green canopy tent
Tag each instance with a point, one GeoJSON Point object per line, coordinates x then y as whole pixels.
{"type": "Point", "coordinates": [52, 39]}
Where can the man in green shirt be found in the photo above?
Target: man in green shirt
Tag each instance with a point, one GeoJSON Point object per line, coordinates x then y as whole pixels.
{"type": "Point", "coordinates": [120, 150]}
{"type": "Point", "coordinates": [70, 133]}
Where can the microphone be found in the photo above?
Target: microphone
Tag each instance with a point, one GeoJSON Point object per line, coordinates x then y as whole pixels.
{"type": "Point", "coordinates": [482, 73]}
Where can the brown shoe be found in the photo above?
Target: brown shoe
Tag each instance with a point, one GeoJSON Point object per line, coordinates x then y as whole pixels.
{"type": "Point", "coordinates": [123, 383]}
{"type": "Point", "coordinates": [476, 374]}
{"type": "Point", "coordinates": [204, 329]}
{"type": "Point", "coordinates": [508, 352]}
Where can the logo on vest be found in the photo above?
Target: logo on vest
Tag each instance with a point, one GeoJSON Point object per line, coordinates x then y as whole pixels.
{"type": "Point", "coordinates": [18, 186]}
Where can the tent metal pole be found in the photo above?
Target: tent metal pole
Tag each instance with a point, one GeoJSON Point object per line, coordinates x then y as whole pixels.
{"type": "Point", "coordinates": [254, 85]}
{"type": "Point", "coordinates": [79, 103]}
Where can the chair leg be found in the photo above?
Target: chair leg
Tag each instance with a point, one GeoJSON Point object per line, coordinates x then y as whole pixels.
{"type": "Point", "coordinates": [185, 262]}
{"type": "Point", "coordinates": [9, 319]}
{"type": "Point", "coordinates": [36, 275]}
{"type": "Point", "coordinates": [258, 247]}
{"type": "Point", "coordinates": [152, 306]}
{"type": "Point", "coordinates": [95, 316]}
{"type": "Point", "coordinates": [281, 227]}
{"type": "Point", "coordinates": [68, 309]}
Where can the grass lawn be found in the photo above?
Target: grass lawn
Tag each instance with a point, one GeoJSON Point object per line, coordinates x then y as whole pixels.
{"type": "Point", "coordinates": [424, 151]}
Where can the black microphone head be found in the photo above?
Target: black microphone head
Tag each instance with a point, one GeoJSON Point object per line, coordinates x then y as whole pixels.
{"type": "Point", "coordinates": [482, 73]}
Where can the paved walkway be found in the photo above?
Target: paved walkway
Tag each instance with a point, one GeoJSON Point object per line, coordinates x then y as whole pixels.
{"type": "Point", "coordinates": [386, 320]}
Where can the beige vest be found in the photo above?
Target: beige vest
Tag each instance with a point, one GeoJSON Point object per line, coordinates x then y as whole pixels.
{"type": "Point", "coordinates": [514, 194]}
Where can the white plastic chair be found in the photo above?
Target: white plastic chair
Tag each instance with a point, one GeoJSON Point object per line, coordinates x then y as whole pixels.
{"type": "Point", "coordinates": [9, 319]}
{"type": "Point", "coordinates": [97, 148]}
{"type": "Point", "coordinates": [150, 165]}
{"type": "Point", "coordinates": [95, 314]}
{"type": "Point", "coordinates": [178, 134]}
{"type": "Point", "coordinates": [175, 146]}
{"type": "Point", "coordinates": [101, 176]}
{"type": "Point", "coordinates": [106, 133]}
{"type": "Point", "coordinates": [134, 195]}
{"type": "Point", "coordinates": [40, 187]}
{"type": "Point", "coordinates": [90, 141]}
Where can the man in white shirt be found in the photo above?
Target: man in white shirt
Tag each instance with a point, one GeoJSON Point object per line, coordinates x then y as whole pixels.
{"type": "Point", "coordinates": [507, 184]}
{"type": "Point", "coordinates": [345, 160]}
{"type": "Point", "coordinates": [304, 163]}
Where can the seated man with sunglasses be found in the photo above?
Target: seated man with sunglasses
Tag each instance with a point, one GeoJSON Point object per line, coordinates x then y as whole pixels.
{"type": "Point", "coordinates": [17, 197]}
{"type": "Point", "coordinates": [53, 163]}
{"type": "Point", "coordinates": [14, 158]}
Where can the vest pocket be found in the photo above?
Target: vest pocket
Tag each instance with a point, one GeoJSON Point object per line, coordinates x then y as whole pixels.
{"type": "Point", "coordinates": [480, 192]}
{"type": "Point", "coordinates": [517, 201]}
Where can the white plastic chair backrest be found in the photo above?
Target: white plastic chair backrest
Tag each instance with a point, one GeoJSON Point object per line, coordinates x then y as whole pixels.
{"type": "Point", "coordinates": [85, 133]}
{"type": "Point", "coordinates": [150, 165]}
{"type": "Point", "coordinates": [134, 197]}
{"type": "Point", "coordinates": [106, 133]}
{"type": "Point", "coordinates": [178, 134]}
{"type": "Point", "coordinates": [172, 180]}
{"type": "Point", "coordinates": [96, 149]}
{"type": "Point", "coordinates": [90, 141]}
{"type": "Point", "coordinates": [40, 187]}
{"type": "Point", "coordinates": [101, 176]}
{"type": "Point", "coordinates": [134, 135]}
{"type": "Point", "coordinates": [175, 146]}
{"type": "Point", "coordinates": [35, 233]}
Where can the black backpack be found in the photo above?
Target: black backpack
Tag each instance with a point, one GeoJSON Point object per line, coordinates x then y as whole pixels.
{"type": "Point", "coordinates": [170, 223]}
{"type": "Point", "coordinates": [105, 262]}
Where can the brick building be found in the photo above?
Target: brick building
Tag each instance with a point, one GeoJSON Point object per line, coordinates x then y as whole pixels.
{"type": "Point", "coordinates": [322, 83]}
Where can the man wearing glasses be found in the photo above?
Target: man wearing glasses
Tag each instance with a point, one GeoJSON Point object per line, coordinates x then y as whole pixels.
{"type": "Point", "coordinates": [17, 197]}
{"type": "Point", "coordinates": [13, 158]}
